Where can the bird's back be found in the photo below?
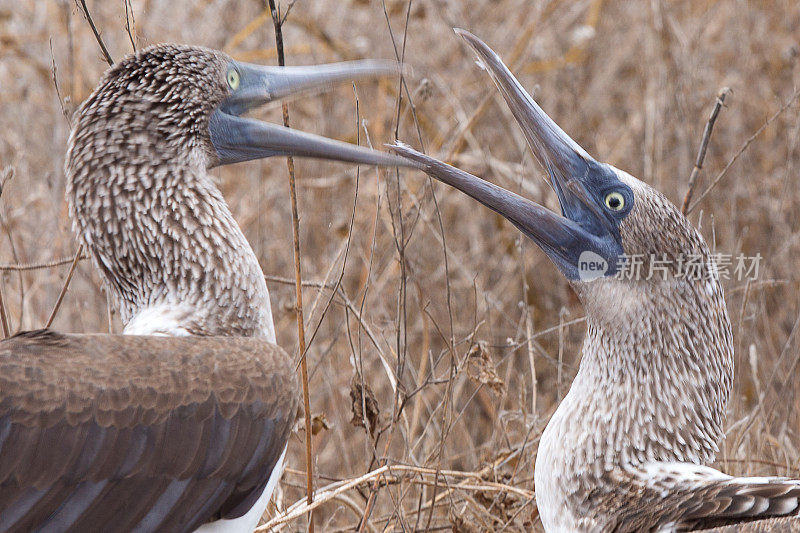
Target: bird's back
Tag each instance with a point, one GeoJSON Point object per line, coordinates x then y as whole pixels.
{"type": "Point", "coordinates": [138, 433]}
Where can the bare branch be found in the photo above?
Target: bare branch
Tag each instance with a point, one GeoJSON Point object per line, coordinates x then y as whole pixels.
{"type": "Point", "coordinates": [744, 147]}
{"type": "Point", "coordinates": [301, 335]}
{"type": "Point", "coordinates": [78, 256]}
{"type": "Point", "coordinates": [86, 14]}
{"type": "Point", "coordinates": [54, 71]}
{"type": "Point", "coordinates": [701, 154]}
{"type": "Point", "coordinates": [130, 22]}
{"type": "Point", "coordinates": [21, 267]}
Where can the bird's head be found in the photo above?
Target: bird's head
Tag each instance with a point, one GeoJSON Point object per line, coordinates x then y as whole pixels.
{"type": "Point", "coordinates": [657, 360]}
{"type": "Point", "coordinates": [609, 221]}
{"type": "Point", "coordinates": [169, 101]}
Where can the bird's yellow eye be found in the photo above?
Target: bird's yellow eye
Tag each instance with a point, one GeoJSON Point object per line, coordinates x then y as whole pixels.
{"type": "Point", "coordinates": [233, 79]}
{"type": "Point", "coordinates": [615, 201]}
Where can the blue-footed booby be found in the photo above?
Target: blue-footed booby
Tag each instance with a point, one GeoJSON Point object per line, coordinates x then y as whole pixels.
{"type": "Point", "coordinates": [628, 447]}
{"type": "Point", "coordinates": [181, 423]}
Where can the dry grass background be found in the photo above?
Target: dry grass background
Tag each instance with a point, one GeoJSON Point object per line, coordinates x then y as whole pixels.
{"type": "Point", "coordinates": [633, 82]}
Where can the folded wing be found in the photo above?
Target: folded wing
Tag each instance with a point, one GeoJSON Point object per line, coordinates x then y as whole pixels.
{"type": "Point", "coordinates": [113, 432]}
{"type": "Point", "coordinates": [688, 497]}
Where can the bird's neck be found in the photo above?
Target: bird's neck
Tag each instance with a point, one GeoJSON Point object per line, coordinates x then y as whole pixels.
{"type": "Point", "coordinates": [169, 250]}
{"type": "Point", "coordinates": [653, 384]}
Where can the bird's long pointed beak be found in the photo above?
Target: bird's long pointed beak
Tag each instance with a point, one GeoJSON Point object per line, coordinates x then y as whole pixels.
{"type": "Point", "coordinates": [238, 139]}
{"type": "Point", "coordinates": [260, 84]}
{"type": "Point", "coordinates": [562, 239]}
{"type": "Point", "coordinates": [562, 157]}
{"type": "Point", "coordinates": [583, 232]}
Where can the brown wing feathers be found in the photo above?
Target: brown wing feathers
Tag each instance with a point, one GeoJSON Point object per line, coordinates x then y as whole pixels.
{"type": "Point", "coordinates": [745, 501]}
{"type": "Point", "coordinates": [124, 432]}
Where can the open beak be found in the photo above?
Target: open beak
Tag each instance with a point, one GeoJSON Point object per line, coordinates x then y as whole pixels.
{"type": "Point", "coordinates": [238, 139]}
{"type": "Point", "coordinates": [584, 232]}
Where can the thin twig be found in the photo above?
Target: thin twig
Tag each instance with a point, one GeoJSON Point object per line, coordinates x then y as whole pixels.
{"type": "Point", "coordinates": [6, 174]}
{"type": "Point", "coordinates": [701, 154]}
{"type": "Point", "coordinates": [338, 283]}
{"type": "Point", "coordinates": [744, 147]}
{"type": "Point", "coordinates": [289, 281]}
{"type": "Point", "coordinates": [390, 475]}
{"type": "Point", "coordinates": [288, 10]}
{"type": "Point", "coordinates": [358, 314]}
{"type": "Point", "coordinates": [3, 318]}
{"type": "Point", "coordinates": [8, 231]}
{"type": "Point", "coordinates": [96, 33]}
{"type": "Point", "coordinates": [301, 335]}
{"type": "Point", "coordinates": [400, 245]}
{"type": "Point", "coordinates": [54, 71]}
{"type": "Point", "coordinates": [130, 22]}
{"type": "Point", "coordinates": [79, 253]}
{"type": "Point", "coordinates": [17, 267]}
{"type": "Point", "coordinates": [64, 288]}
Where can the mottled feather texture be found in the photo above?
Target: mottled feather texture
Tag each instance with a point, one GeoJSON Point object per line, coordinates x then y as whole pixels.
{"type": "Point", "coordinates": [112, 432]}
{"type": "Point", "coordinates": [146, 208]}
{"type": "Point", "coordinates": [688, 497]}
{"type": "Point", "coordinates": [626, 448]}
{"type": "Point", "coordinates": [647, 407]}
{"type": "Point", "coordinates": [773, 525]}
{"type": "Point", "coordinates": [149, 433]}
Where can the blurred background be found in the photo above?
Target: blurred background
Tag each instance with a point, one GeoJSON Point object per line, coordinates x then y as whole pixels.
{"type": "Point", "coordinates": [460, 336]}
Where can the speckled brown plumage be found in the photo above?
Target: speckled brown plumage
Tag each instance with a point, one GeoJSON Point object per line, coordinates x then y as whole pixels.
{"type": "Point", "coordinates": [147, 209]}
{"type": "Point", "coordinates": [98, 423]}
{"type": "Point", "coordinates": [654, 379]}
{"type": "Point", "coordinates": [773, 525]}
{"type": "Point", "coordinates": [150, 433]}
{"type": "Point", "coordinates": [627, 448]}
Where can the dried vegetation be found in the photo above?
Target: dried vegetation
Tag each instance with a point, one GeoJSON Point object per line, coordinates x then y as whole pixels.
{"type": "Point", "coordinates": [450, 339]}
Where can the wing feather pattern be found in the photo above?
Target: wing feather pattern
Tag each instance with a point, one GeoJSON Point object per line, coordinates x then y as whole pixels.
{"type": "Point", "coordinates": [129, 433]}
{"type": "Point", "coordinates": [688, 497]}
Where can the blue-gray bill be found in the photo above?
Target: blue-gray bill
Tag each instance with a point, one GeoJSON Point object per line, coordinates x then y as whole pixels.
{"type": "Point", "coordinates": [587, 227]}
{"type": "Point", "coordinates": [238, 139]}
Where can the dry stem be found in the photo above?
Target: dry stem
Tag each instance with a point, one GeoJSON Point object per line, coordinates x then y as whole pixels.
{"type": "Point", "coordinates": [701, 154]}
{"type": "Point", "coordinates": [78, 256]}
{"type": "Point", "coordinates": [744, 147]}
{"type": "Point", "coordinates": [301, 335]}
